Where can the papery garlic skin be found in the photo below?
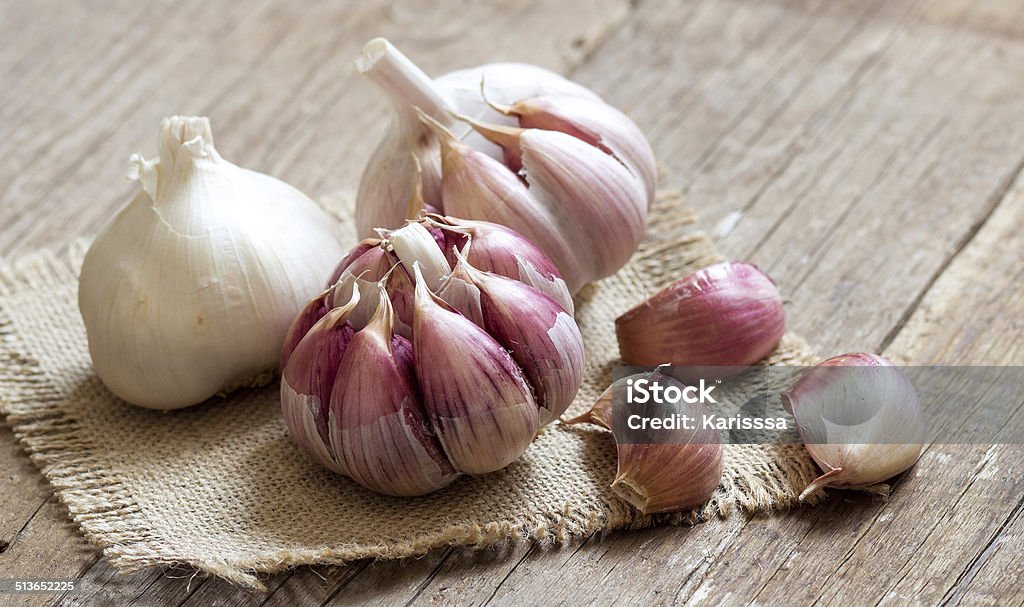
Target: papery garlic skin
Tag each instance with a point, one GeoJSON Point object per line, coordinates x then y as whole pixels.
{"type": "Point", "coordinates": [317, 357]}
{"type": "Point", "coordinates": [189, 290]}
{"type": "Point", "coordinates": [859, 418]}
{"type": "Point", "coordinates": [728, 314]}
{"type": "Point", "coordinates": [458, 383]}
{"type": "Point", "coordinates": [678, 472]}
{"type": "Point", "coordinates": [576, 180]}
{"type": "Point", "coordinates": [377, 428]}
{"type": "Point", "coordinates": [503, 251]}
{"type": "Point", "coordinates": [484, 412]}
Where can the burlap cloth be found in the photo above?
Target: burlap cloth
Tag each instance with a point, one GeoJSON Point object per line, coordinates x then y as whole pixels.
{"type": "Point", "coordinates": [222, 488]}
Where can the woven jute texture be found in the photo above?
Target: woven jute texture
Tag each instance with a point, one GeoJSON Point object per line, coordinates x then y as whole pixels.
{"type": "Point", "coordinates": [221, 487]}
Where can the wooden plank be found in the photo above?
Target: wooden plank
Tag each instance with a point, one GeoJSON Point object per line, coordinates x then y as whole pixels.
{"type": "Point", "coordinates": [32, 524]}
{"type": "Point", "coordinates": [993, 168]}
{"type": "Point", "coordinates": [981, 287]}
{"type": "Point", "coordinates": [955, 510]}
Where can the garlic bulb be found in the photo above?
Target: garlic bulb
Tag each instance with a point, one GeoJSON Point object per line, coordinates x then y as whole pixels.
{"type": "Point", "coordinates": [410, 371]}
{"type": "Point", "coordinates": [188, 291]}
{"type": "Point", "coordinates": [860, 419]}
{"type": "Point", "coordinates": [516, 145]}
{"type": "Point", "coordinates": [667, 471]}
{"type": "Point", "coordinates": [726, 315]}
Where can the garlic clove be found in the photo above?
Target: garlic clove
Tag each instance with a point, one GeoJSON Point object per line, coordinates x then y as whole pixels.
{"type": "Point", "coordinates": [662, 478]}
{"type": "Point", "coordinates": [576, 180]}
{"type": "Point", "coordinates": [366, 259]}
{"type": "Point", "coordinates": [414, 243]}
{"type": "Point", "coordinates": [475, 395]}
{"type": "Point", "coordinates": [671, 471]}
{"type": "Point", "coordinates": [541, 336]}
{"type": "Point", "coordinates": [378, 429]}
{"type": "Point", "coordinates": [304, 321]}
{"type": "Point", "coordinates": [566, 178]}
{"type": "Point", "coordinates": [860, 419]}
{"type": "Point", "coordinates": [476, 185]}
{"type": "Point", "coordinates": [598, 124]}
{"type": "Point", "coordinates": [307, 380]}
{"type": "Point", "coordinates": [729, 315]}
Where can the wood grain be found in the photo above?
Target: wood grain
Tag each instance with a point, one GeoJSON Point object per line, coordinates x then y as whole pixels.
{"type": "Point", "coordinates": [868, 154]}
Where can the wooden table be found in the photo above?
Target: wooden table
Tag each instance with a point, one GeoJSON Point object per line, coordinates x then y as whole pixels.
{"type": "Point", "coordinates": [866, 153]}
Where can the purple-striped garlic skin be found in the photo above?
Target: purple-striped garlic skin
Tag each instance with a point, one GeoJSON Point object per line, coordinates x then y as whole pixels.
{"type": "Point", "coordinates": [475, 395]}
{"type": "Point", "coordinates": [860, 419]}
{"type": "Point", "coordinates": [679, 471]}
{"type": "Point", "coordinates": [728, 315]}
{"type": "Point", "coordinates": [460, 385]}
{"type": "Point", "coordinates": [377, 429]}
{"type": "Point", "coordinates": [307, 380]}
{"type": "Point", "coordinates": [541, 336]}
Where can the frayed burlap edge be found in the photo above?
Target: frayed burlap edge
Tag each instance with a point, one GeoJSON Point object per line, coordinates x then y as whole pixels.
{"type": "Point", "coordinates": [100, 503]}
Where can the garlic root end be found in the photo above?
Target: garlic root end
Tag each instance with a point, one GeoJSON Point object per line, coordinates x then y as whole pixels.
{"type": "Point", "coordinates": [633, 494]}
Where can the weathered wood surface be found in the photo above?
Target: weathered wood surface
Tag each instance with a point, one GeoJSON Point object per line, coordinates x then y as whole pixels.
{"type": "Point", "coordinates": [868, 154]}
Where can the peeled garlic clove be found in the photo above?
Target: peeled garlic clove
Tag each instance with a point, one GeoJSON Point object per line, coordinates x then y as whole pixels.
{"type": "Point", "coordinates": [414, 243]}
{"type": "Point", "coordinates": [378, 428]}
{"type": "Point", "coordinates": [475, 395]}
{"type": "Point", "coordinates": [190, 289]}
{"type": "Point", "coordinates": [500, 250]}
{"type": "Point", "coordinates": [541, 336]}
{"type": "Point", "coordinates": [675, 470]}
{"type": "Point", "coordinates": [860, 419]}
{"type": "Point", "coordinates": [729, 314]}
{"type": "Point", "coordinates": [307, 380]}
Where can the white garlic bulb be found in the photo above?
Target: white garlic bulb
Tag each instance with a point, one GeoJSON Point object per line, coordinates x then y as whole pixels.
{"type": "Point", "coordinates": [189, 290]}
